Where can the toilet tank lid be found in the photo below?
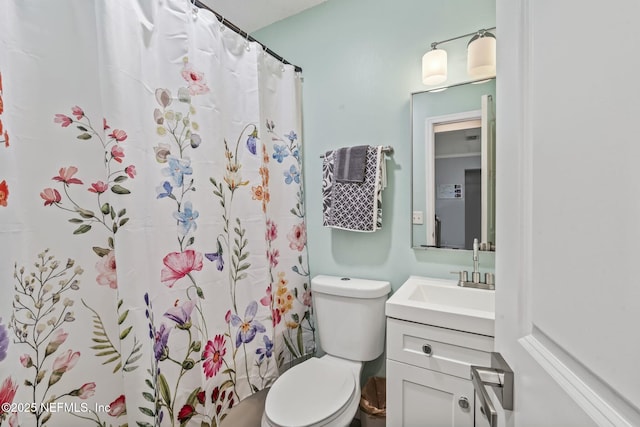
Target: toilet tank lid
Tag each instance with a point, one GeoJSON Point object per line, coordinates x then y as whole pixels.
{"type": "Point", "coordinates": [350, 287]}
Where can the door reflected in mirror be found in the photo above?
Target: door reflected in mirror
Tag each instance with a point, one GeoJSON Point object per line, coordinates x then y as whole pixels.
{"type": "Point", "coordinates": [453, 135]}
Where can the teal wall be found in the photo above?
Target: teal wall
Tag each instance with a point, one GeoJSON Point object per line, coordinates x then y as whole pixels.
{"type": "Point", "coordinates": [361, 60]}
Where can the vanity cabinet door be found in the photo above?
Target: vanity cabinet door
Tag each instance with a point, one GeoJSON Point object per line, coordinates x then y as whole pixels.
{"type": "Point", "coordinates": [419, 397]}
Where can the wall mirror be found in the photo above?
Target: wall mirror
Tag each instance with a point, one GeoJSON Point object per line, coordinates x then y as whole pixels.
{"type": "Point", "coordinates": [453, 188]}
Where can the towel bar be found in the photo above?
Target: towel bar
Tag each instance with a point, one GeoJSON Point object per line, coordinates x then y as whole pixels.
{"type": "Point", "coordinates": [386, 150]}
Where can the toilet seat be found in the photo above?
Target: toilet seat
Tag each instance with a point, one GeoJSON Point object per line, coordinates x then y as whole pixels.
{"type": "Point", "coordinates": [310, 394]}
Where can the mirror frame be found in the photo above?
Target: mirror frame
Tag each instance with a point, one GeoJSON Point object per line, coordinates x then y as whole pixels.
{"type": "Point", "coordinates": [430, 121]}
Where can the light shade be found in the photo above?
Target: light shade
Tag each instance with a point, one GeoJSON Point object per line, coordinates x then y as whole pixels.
{"type": "Point", "coordinates": [481, 55]}
{"type": "Point", "coordinates": [434, 67]}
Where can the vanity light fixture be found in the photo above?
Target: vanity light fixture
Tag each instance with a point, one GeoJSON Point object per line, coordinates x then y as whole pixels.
{"type": "Point", "coordinates": [434, 66]}
{"type": "Point", "coordinates": [481, 58]}
{"type": "Point", "coordinates": [481, 55]}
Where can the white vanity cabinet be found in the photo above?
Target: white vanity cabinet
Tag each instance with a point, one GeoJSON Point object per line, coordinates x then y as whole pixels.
{"type": "Point", "coordinates": [428, 375]}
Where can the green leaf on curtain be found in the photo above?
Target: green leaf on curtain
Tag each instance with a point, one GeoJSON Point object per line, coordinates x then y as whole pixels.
{"type": "Point", "coordinates": [299, 337]}
{"type": "Point", "coordinates": [290, 347]}
{"type": "Point", "coordinates": [82, 128]}
{"type": "Point", "coordinates": [106, 352]}
{"type": "Point", "coordinates": [148, 396]}
{"type": "Point", "coordinates": [84, 136]}
{"type": "Point", "coordinates": [226, 385]}
{"type": "Point", "coordinates": [121, 178]}
{"type": "Point", "coordinates": [124, 333]}
{"type": "Point", "coordinates": [164, 389]}
{"type": "Point", "coordinates": [117, 367]}
{"type": "Point", "coordinates": [123, 221]}
{"type": "Point", "coordinates": [193, 397]}
{"type": "Point", "coordinates": [147, 412]}
{"type": "Point", "coordinates": [85, 213]}
{"type": "Point", "coordinates": [110, 241]}
{"type": "Point", "coordinates": [118, 189]}
{"type": "Point", "coordinates": [101, 251]}
{"type": "Point", "coordinates": [82, 229]}
{"type": "Point", "coordinates": [105, 208]}
{"type": "Point", "coordinates": [144, 424]}
{"type": "Point", "coordinates": [76, 221]}
{"type": "Point", "coordinates": [122, 213]}
{"type": "Point", "coordinates": [123, 316]}
{"type": "Point", "coordinates": [112, 359]}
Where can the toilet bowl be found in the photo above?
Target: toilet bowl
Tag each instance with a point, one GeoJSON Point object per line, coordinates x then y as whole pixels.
{"type": "Point", "coordinates": [325, 391]}
{"type": "Point", "coordinates": [318, 392]}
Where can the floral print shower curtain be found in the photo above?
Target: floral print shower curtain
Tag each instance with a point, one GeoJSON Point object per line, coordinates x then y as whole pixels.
{"type": "Point", "coordinates": [153, 260]}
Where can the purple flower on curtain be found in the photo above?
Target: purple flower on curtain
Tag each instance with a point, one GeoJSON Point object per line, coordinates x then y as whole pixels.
{"type": "Point", "coordinates": [186, 219]}
{"type": "Point", "coordinates": [252, 141]}
{"type": "Point", "coordinates": [4, 341]}
{"type": "Point", "coordinates": [165, 191]}
{"type": "Point", "coordinates": [160, 349]}
{"type": "Point", "coordinates": [181, 314]}
{"type": "Point", "coordinates": [292, 175]}
{"type": "Point", "coordinates": [177, 169]}
{"type": "Point", "coordinates": [280, 152]}
{"type": "Point", "coordinates": [247, 327]}
{"type": "Point", "coordinates": [216, 257]}
{"type": "Point", "coordinates": [291, 136]}
{"type": "Point", "coordinates": [266, 351]}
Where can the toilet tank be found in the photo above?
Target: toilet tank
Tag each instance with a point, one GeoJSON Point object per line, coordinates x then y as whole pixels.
{"type": "Point", "coordinates": [350, 316]}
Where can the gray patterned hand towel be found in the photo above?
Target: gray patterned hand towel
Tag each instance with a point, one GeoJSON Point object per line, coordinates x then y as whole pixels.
{"type": "Point", "coordinates": [353, 206]}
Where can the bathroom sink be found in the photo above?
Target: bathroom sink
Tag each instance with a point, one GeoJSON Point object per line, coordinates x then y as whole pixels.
{"type": "Point", "coordinates": [441, 302]}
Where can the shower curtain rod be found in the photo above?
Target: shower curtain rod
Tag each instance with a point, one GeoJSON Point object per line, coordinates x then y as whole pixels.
{"type": "Point", "coordinates": [244, 34]}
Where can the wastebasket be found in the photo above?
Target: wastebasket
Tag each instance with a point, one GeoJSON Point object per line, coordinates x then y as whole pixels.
{"type": "Point", "coordinates": [373, 403]}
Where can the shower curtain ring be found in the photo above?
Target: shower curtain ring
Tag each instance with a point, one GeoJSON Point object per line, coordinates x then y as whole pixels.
{"type": "Point", "coordinates": [222, 27]}
{"type": "Point", "coordinates": [194, 9]}
{"type": "Point", "coordinates": [247, 46]}
{"type": "Point", "coordinates": [282, 65]}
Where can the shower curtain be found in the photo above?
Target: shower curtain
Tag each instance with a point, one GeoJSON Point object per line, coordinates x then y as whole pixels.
{"type": "Point", "coordinates": [153, 257]}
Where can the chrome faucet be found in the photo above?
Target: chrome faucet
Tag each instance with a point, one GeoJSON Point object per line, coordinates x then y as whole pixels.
{"type": "Point", "coordinates": [463, 280]}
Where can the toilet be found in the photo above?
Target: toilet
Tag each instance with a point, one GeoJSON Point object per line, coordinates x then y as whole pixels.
{"type": "Point", "coordinates": [325, 391]}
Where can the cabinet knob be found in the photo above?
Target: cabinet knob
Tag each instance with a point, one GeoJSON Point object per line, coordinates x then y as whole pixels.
{"type": "Point", "coordinates": [463, 402]}
{"type": "Point", "coordinates": [426, 349]}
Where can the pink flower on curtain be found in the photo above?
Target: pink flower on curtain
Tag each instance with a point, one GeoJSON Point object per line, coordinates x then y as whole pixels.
{"type": "Point", "coordinates": [26, 361]}
{"type": "Point", "coordinates": [297, 237]}
{"type": "Point", "coordinates": [105, 126]}
{"type": "Point", "coordinates": [86, 391]}
{"type": "Point", "coordinates": [273, 255]}
{"type": "Point", "coordinates": [50, 196]}
{"type": "Point", "coordinates": [66, 175]}
{"type": "Point", "coordinates": [118, 135]}
{"type": "Point", "coordinates": [4, 193]}
{"type": "Point", "coordinates": [118, 407]}
{"type": "Point", "coordinates": [179, 264]}
{"type": "Point", "coordinates": [7, 393]}
{"type": "Point", "coordinates": [131, 171]}
{"type": "Point", "coordinates": [98, 187]}
{"type": "Point", "coordinates": [117, 153]}
{"type": "Point", "coordinates": [213, 356]}
{"type": "Point", "coordinates": [195, 80]}
{"type": "Point", "coordinates": [57, 339]}
{"type": "Point", "coordinates": [107, 271]}
{"type": "Point", "coordinates": [63, 120]}
{"type": "Point", "coordinates": [77, 112]}
{"type": "Point", "coordinates": [272, 231]}
{"type": "Point", "coordinates": [66, 361]}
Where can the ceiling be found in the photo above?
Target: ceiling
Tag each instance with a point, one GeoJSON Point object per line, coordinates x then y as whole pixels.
{"type": "Point", "coordinates": [251, 15]}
